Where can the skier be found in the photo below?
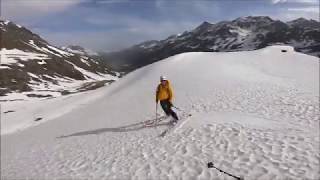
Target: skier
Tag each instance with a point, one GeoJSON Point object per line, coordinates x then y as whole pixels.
{"type": "Point", "coordinates": [164, 94]}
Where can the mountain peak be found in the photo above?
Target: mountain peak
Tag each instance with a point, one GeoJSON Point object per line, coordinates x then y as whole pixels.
{"type": "Point", "coordinates": [205, 24]}
{"type": "Point", "coordinates": [4, 22]}
{"type": "Point", "coordinates": [253, 19]}
{"type": "Point", "coordinates": [304, 19]}
{"type": "Point", "coordinates": [302, 22]}
{"type": "Point", "coordinates": [241, 34]}
{"type": "Point", "coordinates": [30, 64]}
{"type": "Point", "coordinates": [76, 49]}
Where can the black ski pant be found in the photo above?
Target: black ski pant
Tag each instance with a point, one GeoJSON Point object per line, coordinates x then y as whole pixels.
{"type": "Point", "coordinates": [167, 108]}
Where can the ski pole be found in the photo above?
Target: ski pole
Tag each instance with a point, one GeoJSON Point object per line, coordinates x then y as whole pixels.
{"type": "Point", "coordinates": [210, 165]}
{"type": "Point", "coordinates": [156, 112]}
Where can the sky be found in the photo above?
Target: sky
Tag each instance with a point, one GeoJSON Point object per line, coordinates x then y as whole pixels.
{"type": "Point", "coordinates": [111, 25]}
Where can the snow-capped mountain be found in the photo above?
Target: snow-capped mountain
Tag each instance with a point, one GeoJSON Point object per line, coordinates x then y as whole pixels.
{"type": "Point", "coordinates": [76, 49]}
{"type": "Point", "coordinates": [29, 64]}
{"type": "Point", "coordinates": [255, 115]}
{"type": "Point", "coordinates": [246, 33]}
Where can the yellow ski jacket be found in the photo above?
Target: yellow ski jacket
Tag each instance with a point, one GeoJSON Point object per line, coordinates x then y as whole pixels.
{"type": "Point", "coordinates": [164, 92]}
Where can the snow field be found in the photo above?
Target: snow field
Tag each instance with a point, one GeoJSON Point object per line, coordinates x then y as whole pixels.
{"type": "Point", "coordinates": [254, 114]}
{"type": "Point", "coordinates": [9, 56]}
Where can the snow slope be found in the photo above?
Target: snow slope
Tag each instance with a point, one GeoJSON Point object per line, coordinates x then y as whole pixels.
{"type": "Point", "coordinates": [29, 64]}
{"type": "Point", "coordinates": [255, 115]}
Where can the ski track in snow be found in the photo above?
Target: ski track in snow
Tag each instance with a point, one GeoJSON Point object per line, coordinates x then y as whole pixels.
{"type": "Point", "coordinates": [290, 152]}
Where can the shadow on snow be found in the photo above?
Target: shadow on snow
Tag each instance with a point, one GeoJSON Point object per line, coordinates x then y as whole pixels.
{"type": "Point", "coordinates": [128, 128]}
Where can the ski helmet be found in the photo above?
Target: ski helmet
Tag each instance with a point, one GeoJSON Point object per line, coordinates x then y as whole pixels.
{"type": "Point", "coordinates": [163, 78]}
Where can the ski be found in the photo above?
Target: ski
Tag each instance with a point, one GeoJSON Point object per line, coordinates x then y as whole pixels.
{"type": "Point", "coordinates": [150, 123]}
{"type": "Point", "coordinates": [173, 126]}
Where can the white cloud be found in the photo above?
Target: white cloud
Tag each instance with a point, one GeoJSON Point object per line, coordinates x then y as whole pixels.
{"type": "Point", "coordinates": [160, 30]}
{"type": "Point", "coordinates": [278, 1]}
{"type": "Point", "coordinates": [294, 13]}
{"type": "Point", "coordinates": [140, 25]}
{"type": "Point", "coordinates": [305, 9]}
{"type": "Point", "coordinates": [132, 30]}
{"type": "Point", "coordinates": [295, 1]}
{"type": "Point", "coordinates": [19, 10]}
{"type": "Point", "coordinates": [307, 1]}
{"type": "Point", "coordinates": [308, 9]}
{"type": "Point", "coordinates": [111, 1]}
{"type": "Point", "coordinates": [188, 8]}
{"type": "Point", "coordinates": [309, 12]}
